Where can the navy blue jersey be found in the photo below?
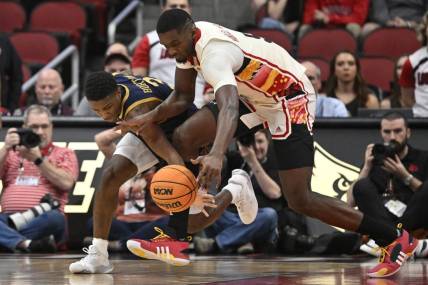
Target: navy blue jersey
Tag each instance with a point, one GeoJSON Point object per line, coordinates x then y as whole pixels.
{"type": "Point", "coordinates": [140, 90]}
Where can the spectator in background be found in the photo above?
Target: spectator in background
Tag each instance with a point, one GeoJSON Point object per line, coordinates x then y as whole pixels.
{"type": "Point", "coordinates": [394, 188]}
{"type": "Point", "coordinates": [151, 58]}
{"type": "Point", "coordinates": [414, 77]}
{"type": "Point", "coordinates": [49, 89]}
{"type": "Point", "coordinates": [346, 83]}
{"type": "Point", "coordinates": [116, 60]}
{"type": "Point", "coordinates": [394, 13]}
{"type": "Point", "coordinates": [10, 76]}
{"type": "Point", "coordinates": [326, 106]}
{"type": "Point", "coordinates": [350, 14]}
{"type": "Point", "coordinates": [278, 14]}
{"type": "Point", "coordinates": [28, 174]}
{"type": "Point", "coordinates": [395, 100]}
{"type": "Point", "coordinates": [137, 214]}
{"type": "Point", "coordinates": [228, 233]}
{"type": "Point", "coordinates": [117, 48]}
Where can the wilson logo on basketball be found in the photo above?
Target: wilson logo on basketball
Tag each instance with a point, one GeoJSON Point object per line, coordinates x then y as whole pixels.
{"type": "Point", "coordinates": [170, 206]}
{"type": "Point", "coordinates": [163, 191]}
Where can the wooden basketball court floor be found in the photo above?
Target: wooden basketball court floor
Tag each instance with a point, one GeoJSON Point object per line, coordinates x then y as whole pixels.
{"type": "Point", "coordinates": [231, 270]}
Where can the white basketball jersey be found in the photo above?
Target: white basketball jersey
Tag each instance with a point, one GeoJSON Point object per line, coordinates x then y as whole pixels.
{"type": "Point", "coordinates": [419, 62]}
{"type": "Point", "coordinates": [271, 82]}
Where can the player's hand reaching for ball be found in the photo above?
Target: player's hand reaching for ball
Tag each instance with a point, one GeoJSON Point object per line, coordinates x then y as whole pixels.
{"type": "Point", "coordinates": [210, 166]}
{"type": "Point", "coordinates": [202, 200]}
{"type": "Point", "coordinates": [139, 122]}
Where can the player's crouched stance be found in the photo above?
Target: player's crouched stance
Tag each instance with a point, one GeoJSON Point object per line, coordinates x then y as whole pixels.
{"type": "Point", "coordinates": [165, 248]}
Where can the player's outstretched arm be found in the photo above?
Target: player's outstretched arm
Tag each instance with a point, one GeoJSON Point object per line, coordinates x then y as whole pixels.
{"type": "Point", "coordinates": [219, 61]}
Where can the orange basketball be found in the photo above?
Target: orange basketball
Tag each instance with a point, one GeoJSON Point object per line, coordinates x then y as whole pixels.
{"type": "Point", "coordinates": [173, 188]}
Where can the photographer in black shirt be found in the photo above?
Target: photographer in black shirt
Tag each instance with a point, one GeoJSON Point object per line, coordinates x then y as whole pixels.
{"type": "Point", "coordinates": [392, 184]}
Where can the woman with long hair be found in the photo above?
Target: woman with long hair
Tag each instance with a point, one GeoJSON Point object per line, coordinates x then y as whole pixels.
{"type": "Point", "coordinates": [395, 100]}
{"type": "Point", "coordinates": [346, 83]}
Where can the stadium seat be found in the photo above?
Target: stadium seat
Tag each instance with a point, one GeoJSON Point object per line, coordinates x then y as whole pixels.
{"type": "Point", "coordinates": [325, 43]}
{"type": "Point", "coordinates": [98, 8]}
{"type": "Point", "coordinates": [390, 42]}
{"type": "Point", "coordinates": [12, 17]}
{"type": "Point", "coordinates": [35, 48]}
{"type": "Point", "coordinates": [59, 17]}
{"type": "Point", "coordinates": [279, 37]}
{"type": "Point", "coordinates": [321, 63]}
{"type": "Point", "coordinates": [377, 71]}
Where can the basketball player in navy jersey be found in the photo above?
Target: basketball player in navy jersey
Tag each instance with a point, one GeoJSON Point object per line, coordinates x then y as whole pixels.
{"type": "Point", "coordinates": [121, 97]}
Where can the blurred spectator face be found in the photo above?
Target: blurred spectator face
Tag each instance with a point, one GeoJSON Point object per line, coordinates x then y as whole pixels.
{"type": "Point", "coordinates": [314, 75]}
{"type": "Point", "coordinates": [177, 4]}
{"type": "Point", "coordinates": [117, 62]}
{"type": "Point", "coordinates": [262, 145]}
{"type": "Point", "coordinates": [49, 88]}
{"type": "Point", "coordinates": [41, 125]}
{"type": "Point", "coordinates": [117, 48]}
{"type": "Point", "coordinates": [345, 67]}
{"type": "Point", "coordinates": [399, 65]}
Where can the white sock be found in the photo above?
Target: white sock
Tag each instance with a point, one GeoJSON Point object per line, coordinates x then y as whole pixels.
{"type": "Point", "coordinates": [101, 245]}
{"type": "Point", "coordinates": [234, 190]}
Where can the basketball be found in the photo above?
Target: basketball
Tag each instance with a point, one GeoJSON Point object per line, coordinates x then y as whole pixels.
{"type": "Point", "coordinates": [173, 188]}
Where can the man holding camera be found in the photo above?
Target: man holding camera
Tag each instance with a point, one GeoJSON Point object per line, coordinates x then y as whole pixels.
{"type": "Point", "coordinates": [229, 233]}
{"type": "Point", "coordinates": [36, 176]}
{"type": "Point", "coordinates": [392, 185]}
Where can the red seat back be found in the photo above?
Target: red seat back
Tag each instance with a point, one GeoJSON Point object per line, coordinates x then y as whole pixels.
{"type": "Point", "coordinates": [35, 48]}
{"type": "Point", "coordinates": [279, 37]}
{"type": "Point", "coordinates": [12, 17]}
{"type": "Point", "coordinates": [390, 42]}
{"type": "Point", "coordinates": [377, 71]}
{"type": "Point", "coordinates": [58, 17]}
{"type": "Point", "coordinates": [325, 43]}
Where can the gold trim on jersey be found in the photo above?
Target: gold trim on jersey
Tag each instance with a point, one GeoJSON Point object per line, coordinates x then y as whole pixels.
{"type": "Point", "coordinates": [121, 116]}
{"type": "Point", "coordinates": [249, 71]}
{"type": "Point", "coordinates": [139, 102]}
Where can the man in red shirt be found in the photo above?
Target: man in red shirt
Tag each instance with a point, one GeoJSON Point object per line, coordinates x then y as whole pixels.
{"type": "Point", "coordinates": [351, 14]}
{"type": "Point", "coordinates": [28, 174]}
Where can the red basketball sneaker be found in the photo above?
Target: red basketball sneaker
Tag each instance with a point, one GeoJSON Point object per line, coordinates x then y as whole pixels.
{"type": "Point", "coordinates": [395, 255]}
{"type": "Point", "coordinates": [162, 247]}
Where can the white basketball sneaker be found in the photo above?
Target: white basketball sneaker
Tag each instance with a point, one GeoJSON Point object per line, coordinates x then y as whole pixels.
{"type": "Point", "coordinates": [246, 201]}
{"type": "Point", "coordinates": [93, 262]}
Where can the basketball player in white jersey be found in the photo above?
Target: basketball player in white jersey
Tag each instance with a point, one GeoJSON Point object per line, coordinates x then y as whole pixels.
{"type": "Point", "coordinates": [268, 80]}
{"type": "Point", "coordinates": [414, 77]}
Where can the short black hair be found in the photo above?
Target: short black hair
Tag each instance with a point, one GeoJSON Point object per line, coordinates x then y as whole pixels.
{"type": "Point", "coordinates": [395, 115]}
{"type": "Point", "coordinates": [99, 85]}
{"type": "Point", "coordinates": [172, 19]}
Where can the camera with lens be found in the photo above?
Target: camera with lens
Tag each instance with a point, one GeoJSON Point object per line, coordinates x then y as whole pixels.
{"type": "Point", "coordinates": [381, 151]}
{"type": "Point", "coordinates": [19, 220]}
{"type": "Point", "coordinates": [247, 140]}
{"type": "Point", "coordinates": [28, 138]}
